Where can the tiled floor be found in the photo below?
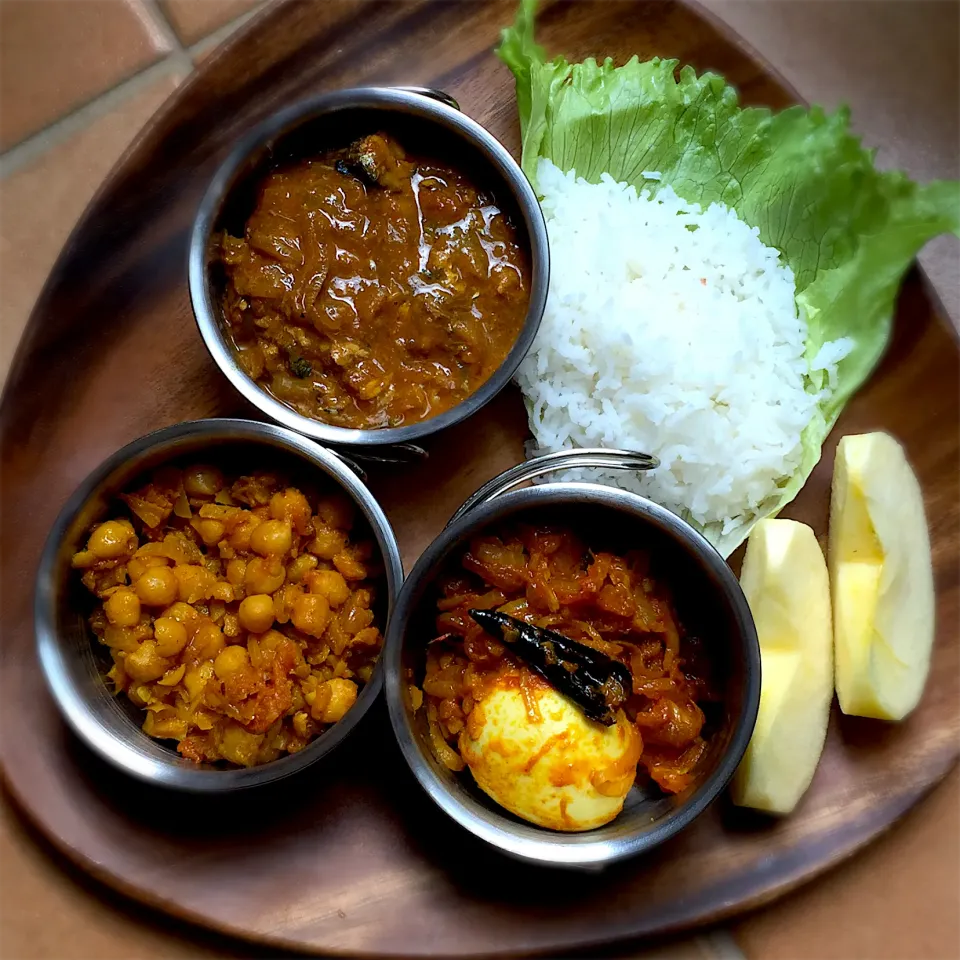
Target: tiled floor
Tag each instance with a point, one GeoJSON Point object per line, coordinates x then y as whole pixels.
{"type": "Point", "coordinates": [78, 79]}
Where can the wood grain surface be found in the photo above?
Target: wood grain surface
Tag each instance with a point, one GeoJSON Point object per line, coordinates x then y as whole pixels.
{"type": "Point", "coordinates": [352, 857]}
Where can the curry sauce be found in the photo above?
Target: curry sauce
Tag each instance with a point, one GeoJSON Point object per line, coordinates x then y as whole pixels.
{"type": "Point", "coordinates": [371, 289]}
{"type": "Point", "coordinates": [615, 603]}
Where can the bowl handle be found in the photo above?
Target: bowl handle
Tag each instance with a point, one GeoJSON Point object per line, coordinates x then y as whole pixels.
{"type": "Point", "coordinates": [399, 453]}
{"type": "Point", "coordinates": [551, 462]}
{"type": "Point", "coordinates": [433, 94]}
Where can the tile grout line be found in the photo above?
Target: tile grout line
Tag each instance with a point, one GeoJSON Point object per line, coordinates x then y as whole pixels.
{"type": "Point", "coordinates": [719, 944]}
{"type": "Point", "coordinates": [165, 32]}
{"type": "Point", "coordinates": [212, 40]}
{"type": "Point", "coordinates": [153, 20]}
{"type": "Point", "coordinates": [55, 133]}
{"type": "Point", "coordinates": [178, 58]}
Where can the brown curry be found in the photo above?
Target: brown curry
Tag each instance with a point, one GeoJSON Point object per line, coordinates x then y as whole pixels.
{"type": "Point", "coordinates": [371, 289]}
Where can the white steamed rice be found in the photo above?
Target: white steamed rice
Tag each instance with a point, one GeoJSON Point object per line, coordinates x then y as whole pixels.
{"type": "Point", "coordinates": [671, 330]}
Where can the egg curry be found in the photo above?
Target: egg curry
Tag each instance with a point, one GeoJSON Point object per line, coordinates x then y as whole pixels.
{"type": "Point", "coordinates": [529, 747]}
{"type": "Point", "coordinates": [238, 613]}
{"type": "Point", "coordinates": [372, 289]}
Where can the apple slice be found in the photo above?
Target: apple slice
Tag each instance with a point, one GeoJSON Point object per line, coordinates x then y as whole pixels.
{"type": "Point", "coordinates": [784, 579]}
{"type": "Point", "coordinates": [881, 576]}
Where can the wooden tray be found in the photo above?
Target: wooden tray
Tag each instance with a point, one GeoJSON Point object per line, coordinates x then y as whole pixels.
{"type": "Point", "coordinates": [352, 857]}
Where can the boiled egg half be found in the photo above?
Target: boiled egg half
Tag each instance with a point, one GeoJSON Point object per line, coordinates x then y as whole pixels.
{"type": "Point", "coordinates": [534, 752]}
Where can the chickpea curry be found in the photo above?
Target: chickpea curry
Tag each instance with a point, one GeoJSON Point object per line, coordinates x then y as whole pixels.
{"type": "Point", "coordinates": [371, 289]}
{"type": "Point", "coordinates": [238, 615]}
{"type": "Point", "coordinates": [612, 603]}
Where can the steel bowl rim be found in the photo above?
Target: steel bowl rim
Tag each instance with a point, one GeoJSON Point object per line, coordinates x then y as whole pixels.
{"type": "Point", "coordinates": [71, 702]}
{"type": "Point", "coordinates": [283, 122]}
{"type": "Point", "coordinates": [528, 842]}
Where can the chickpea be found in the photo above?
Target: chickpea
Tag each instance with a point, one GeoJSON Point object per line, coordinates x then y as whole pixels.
{"type": "Point", "coordinates": [194, 583]}
{"type": "Point", "coordinates": [272, 640]}
{"type": "Point", "coordinates": [202, 480]}
{"type": "Point", "coordinates": [329, 584]}
{"type": "Point", "coordinates": [368, 636]}
{"type": "Point", "coordinates": [299, 568]}
{"type": "Point", "coordinates": [138, 566]}
{"type": "Point", "coordinates": [239, 539]}
{"type": "Point", "coordinates": [156, 587]}
{"type": "Point", "coordinates": [334, 698]}
{"type": "Point", "coordinates": [264, 575]}
{"type": "Point", "coordinates": [350, 567]}
{"type": "Point", "coordinates": [357, 615]}
{"type": "Point", "coordinates": [230, 661]}
{"type": "Point", "coordinates": [211, 531]}
{"type": "Point", "coordinates": [170, 635]}
{"type": "Point", "coordinates": [183, 613]}
{"type": "Point", "coordinates": [256, 613]}
{"type": "Point", "coordinates": [291, 505]}
{"type": "Point", "coordinates": [327, 543]}
{"type": "Point", "coordinates": [123, 608]}
{"type": "Point", "coordinates": [208, 641]}
{"type": "Point", "coordinates": [122, 638]}
{"type": "Point", "coordinates": [311, 614]}
{"type": "Point", "coordinates": [336, 511]}
{"type": "Point", "coordinates": [222, 592]}
{"type": "Point", "coordinates": [82, 560]}
{"type": "Point", "coordinates": [145, 663]}
{"type": "Point", "coordinates": [236, 569]}
{"type": "Point", "coordinates": [112, 539]}
{"type": "Point", "coordinates": [272, 537]}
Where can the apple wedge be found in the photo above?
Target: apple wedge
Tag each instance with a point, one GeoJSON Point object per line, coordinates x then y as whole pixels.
{"type": "Point", "coordinates": [881, 577]}
{"type": "Point", "coordinates": [784, 579]}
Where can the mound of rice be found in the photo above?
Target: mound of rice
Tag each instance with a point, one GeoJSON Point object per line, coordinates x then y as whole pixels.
{"type": "Point", "coordinates": [674, 331]}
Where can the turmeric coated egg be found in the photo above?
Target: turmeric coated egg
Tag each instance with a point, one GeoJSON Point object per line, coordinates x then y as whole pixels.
{"type": "Point", "coordinates": [536, 754]}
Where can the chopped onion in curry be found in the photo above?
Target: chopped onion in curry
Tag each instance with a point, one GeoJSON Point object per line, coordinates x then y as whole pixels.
{"type": "Point", "coordinates": [371, 289]}
{"type": "Point", "coordinates": [612, 603]}
{"type": "Point", "coordinates": [239, 616]}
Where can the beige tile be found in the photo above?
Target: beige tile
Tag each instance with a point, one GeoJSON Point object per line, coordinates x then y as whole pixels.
{"type": "Point", "coordinates": [194, 19]}
{"type": "Point", "coordinates": [58, 54]}
{"type": "Point", "coordinates": [40, 203]}
{"type": "Point", "coordinates": [201, 50]}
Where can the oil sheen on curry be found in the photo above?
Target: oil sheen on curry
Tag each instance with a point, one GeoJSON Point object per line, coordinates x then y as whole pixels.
{"type": "Point", "coordinates": [371, 289]}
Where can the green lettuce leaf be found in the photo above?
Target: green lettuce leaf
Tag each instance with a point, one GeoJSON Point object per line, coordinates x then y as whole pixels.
{"type": "Point", "coordinates": [848, 231]}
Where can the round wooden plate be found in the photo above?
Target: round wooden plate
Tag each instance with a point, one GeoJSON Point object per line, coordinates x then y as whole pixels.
{"type": "Point", "coordinates": [352, 857]}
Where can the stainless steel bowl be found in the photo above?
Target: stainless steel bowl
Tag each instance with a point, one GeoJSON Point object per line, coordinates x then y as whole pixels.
{"type": "Point", "coordinates": [700, 578]}
{"type": "Point", "coordinates": [72, 659]}
{"type": "Point", "coordinates": [305, 129]}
